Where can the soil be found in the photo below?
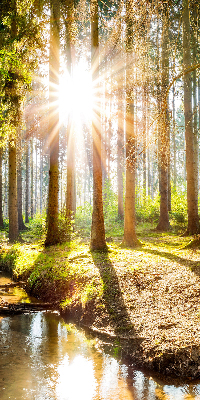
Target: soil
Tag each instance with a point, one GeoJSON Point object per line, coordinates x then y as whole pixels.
{"type": "Point", "coordinates": [152, 313]}
{"type": "Point", "coordinates": [149, 309]}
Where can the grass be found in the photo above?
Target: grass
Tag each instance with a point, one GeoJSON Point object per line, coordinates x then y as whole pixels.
{"type": "Point", "coordinates": [73, 268]}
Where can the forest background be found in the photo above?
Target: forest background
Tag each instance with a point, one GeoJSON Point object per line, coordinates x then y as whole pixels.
{"type": "Point", "coordinates": [99, 118]}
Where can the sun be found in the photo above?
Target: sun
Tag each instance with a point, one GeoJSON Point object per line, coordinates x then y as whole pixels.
{"type": "Point", "coordinates": [75, 95]}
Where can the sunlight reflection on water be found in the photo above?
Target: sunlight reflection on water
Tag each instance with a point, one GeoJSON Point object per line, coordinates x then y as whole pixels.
{"type": "Point", "coordinates": [42, 358]}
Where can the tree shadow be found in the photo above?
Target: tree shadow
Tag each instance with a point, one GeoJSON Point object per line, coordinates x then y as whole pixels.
{"type": "Point", "coordinates": [118, 316]}
{"type": "Point", "coordinates": [194, 266]}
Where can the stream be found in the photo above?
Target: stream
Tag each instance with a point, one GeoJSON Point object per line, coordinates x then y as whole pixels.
{"type": "Point", "coordinates": [44, 358]}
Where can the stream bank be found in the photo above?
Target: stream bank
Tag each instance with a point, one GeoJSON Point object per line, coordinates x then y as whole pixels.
{"type": "Point", "coordinates": [143, 301]}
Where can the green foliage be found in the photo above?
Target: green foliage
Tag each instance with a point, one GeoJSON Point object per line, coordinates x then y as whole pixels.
{"type": "Point", "coordinates": [113, 225]}
{"type": "Point", "coordinates": [83, 220]}
{"type": "Point", "coordinates": [65, 228]}
{"type": "Point", "coordinates": [179, 207]}
{"type": "Point", "coordinates": [9, 256]}
{"type": "Point", "coordinates": [148, 210]}
{"type": "Point", "coordinates": [37, 226]}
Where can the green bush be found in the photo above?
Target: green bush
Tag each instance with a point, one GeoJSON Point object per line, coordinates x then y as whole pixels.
{"type": "Point", "coordinates": [179, 207]}
{"type": "Point", "coordinates": [83, 219]}
{"type": "Point", "coordinates": [37, 225]}
{"type": "Point", "coordinates": [148, 210]}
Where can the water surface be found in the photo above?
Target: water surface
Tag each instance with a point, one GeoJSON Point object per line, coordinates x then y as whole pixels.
{"type": "Point", "coordinates": [43, 358]}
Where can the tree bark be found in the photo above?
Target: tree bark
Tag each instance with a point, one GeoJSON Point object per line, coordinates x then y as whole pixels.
{"type": "Point", "coordinates": [32, 173]}
{"type": "Point", "coordinates": [192, 203]}
{"type": "Point", "coordinates": [1, 191]}
{"type": "Point", "coordinates": [70, 193]}
{"type": "Point", "coordinates": [97, 229]}
{"type": "Point", "coordinates": [27, 184]}
{"type": "Point", "coordinates": [130, 238]}
{"type": "Point", "coordinates": [120, 145]}
{"type": "Point", "coordinates": [19, 189]}
{"type": "Point", "coordinates": [41, 175]}
{"type": "Point", "coordinates": [164, 153]}
{"type": "Point", "coordinates": [54, 63]}
{"type": "Point", "coordinates": [174, 136]}
{"type": "Point", "coordinates": [13, 212]}
{"type": "Point", "coordinates": [194, 86]}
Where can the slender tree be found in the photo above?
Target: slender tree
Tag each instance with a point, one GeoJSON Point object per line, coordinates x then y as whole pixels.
{"type": "Point", "coordinates": [54, 63]}
{"type": "Point", "coordinates": [1, 194]}
{"type": "Point", "coordinates": [70, 47]}
{"type": "Point", "coordinates": [130, 238]}
{"type": "Point", "coordinates": [192, 204]}
{"type": "Point", "coordinates": [19, 187]}
{"type": "Point", "coordinates": [97, 229]}
{"type": "Point", "coordinates": [163, 224]}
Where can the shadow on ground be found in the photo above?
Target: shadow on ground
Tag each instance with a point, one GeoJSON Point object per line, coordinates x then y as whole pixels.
{"type": "Point", "coordinates": [191, 264]}
{"type": "Point", "coordinates": [112, 296]}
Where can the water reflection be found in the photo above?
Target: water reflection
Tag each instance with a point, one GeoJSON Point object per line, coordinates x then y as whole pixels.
{"type": "Point", "coordinates": [42, 358]}
{"type": "Point", "coordinates": [12, 294]}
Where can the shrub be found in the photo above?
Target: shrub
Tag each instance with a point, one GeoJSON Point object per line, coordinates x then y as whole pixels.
{"type": "Point", "coordinates": [179, 207]}
{"type": "Point", "coordinates": [83, 219]}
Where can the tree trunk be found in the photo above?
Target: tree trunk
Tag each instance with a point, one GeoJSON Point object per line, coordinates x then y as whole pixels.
{"type": "Point", "coordinates": [97, 229]}
{"type": "Point", "coordinates": [41, 175]}
{"type": "Point", "coordinates": [36, 177]}
{"type": "Point", "coordinates": [194, 86]}
{"type": "Point", "coordinates": [120, 145]}
{"type": "Point", "coordinates": [32, 173]}
{"type": "Point", "coordinates": [174, 135]}
{"type": "Point", "coordinates": [144, 153]}
{"type": "Point", "coordinates": [130, 238]}
{"type": "Point", "coordinates": [54, 63]}
{"type": "Point", "coordinates": [19, 189]}
{"type": "Point", "coordinates": [27, 184]}
{"type": "Point", "coordinates": [70, 193]}
{"type": "Point", "coordinates": [164, 153]}
{"type": "Point", "coordinates": [1, 191]}
{"type": "Point", "coordinates": [13, 212]}
{"type": "Point", "coordinates": [192, 203]}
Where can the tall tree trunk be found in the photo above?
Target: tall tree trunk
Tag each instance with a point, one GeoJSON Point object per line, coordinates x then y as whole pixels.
{"type": "Point", "coordinates": [32, 173]}
{"type": "Point", "coordinates": [144, 153]}
{"type": "Point", "coordinates": [174, 135]}
{"type": "Point", "coordinates": [54, 63]}
{"type": "Point", "coordinates": [70, 193]}
{"type": "Point", "coordinates": [130, 238]}
{"type": "Point", "coordinates": [41, 175]}
{"type": "Point", "coordinates": [163, 223]}
{"type": "Point", "coordinates": [97, 229]}
{"type": "Point", "coordinates": [1, 191]}
{"type": "Point", "coordinates": [6, 186]}
{"type": "Point", "coordinates": [27, 184]}
{"type": "Point", "coordinates": [194, 86]}
{"type": "Point", "coordinates": [19, 188]}
{"type": "Point", "coordinates": [12, 87]}
{"type": "Point", "coordinates": [120, 159]}
{"type": "Point", "coordinates": [13, 212]}
{"type": "Point", "coordinates": [36, 177]}
{"type": "Point", "coordinates": [192, 203]}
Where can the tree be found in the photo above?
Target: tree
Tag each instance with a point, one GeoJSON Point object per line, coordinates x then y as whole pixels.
{"type": "Point", "coordinates": [192, 204]}
{"type": "Point", "coordinates": [97, 229]}
{"type": "Point", "coordinates": [54, 63]}
{"type": "Point", "coordinates": [163, 224]}
{"type": "Point", "coordinates": [130, 238]}
{"type": "Point", "coordinates": [70, 46]}
{"type": "Point", "coordinates": [1, 199]}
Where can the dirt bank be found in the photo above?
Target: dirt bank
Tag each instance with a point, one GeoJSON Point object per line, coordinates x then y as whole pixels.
{"type": "Point", "coordinates": [146, 301]}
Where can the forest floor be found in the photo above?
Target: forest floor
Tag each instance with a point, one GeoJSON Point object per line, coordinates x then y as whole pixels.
{"type": "Point", "coordinates": [145, 301]}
